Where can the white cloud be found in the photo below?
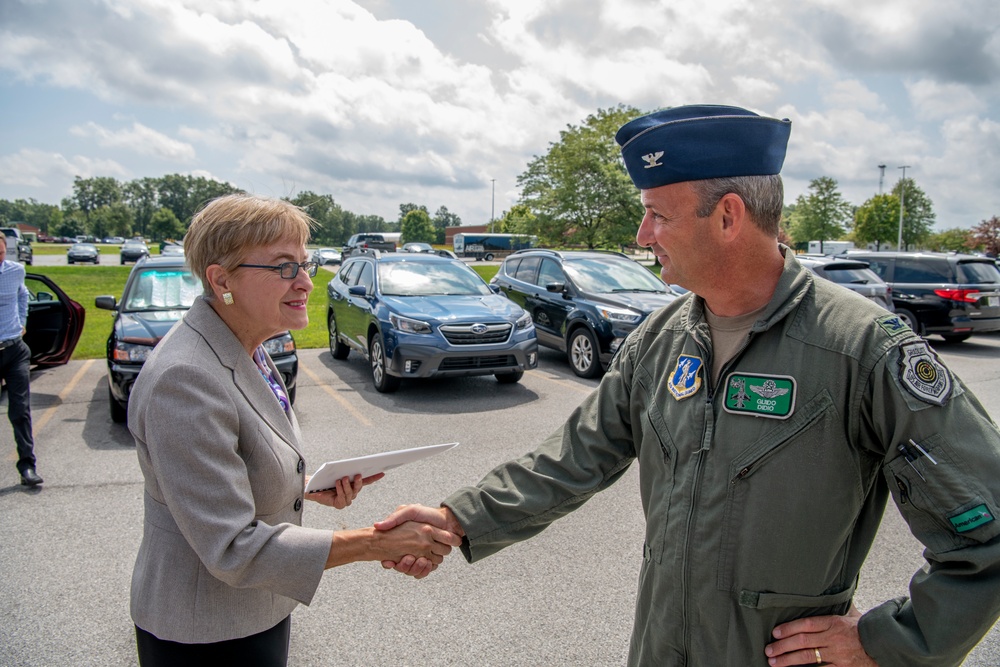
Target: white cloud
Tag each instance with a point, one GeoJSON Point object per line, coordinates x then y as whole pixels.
{"type": "Point", "coordinates": [30, 168]}
{"type": "Point", "coordinates": [937, 101]}
{"type": "Point", "coordinates": [137, 138]}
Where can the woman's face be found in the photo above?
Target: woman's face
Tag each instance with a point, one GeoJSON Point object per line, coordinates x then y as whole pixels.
{"type": "Point", "coordinates": [264, 303]}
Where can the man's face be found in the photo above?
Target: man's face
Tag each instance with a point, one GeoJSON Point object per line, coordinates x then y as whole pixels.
{"type": "Point", "coordinates": [680, 239]}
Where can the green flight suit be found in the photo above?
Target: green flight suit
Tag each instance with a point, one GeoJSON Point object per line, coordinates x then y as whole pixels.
{"type": "Point", "coordinates": [763, 495]}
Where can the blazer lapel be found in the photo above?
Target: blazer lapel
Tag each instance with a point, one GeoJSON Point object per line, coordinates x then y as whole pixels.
{"type": "Point", "coordinates": [246, 376]}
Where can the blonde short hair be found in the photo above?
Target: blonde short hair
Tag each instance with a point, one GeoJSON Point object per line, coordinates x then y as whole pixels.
{"type": "Point", "coordinates": [229, 228]}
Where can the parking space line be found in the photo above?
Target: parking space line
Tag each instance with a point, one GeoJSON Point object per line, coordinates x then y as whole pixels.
{"type": "Point", "coordinates": [562, 383]}
{"type": "Point", "coordinates": [51, 411]}
{"type": "Point", "coordinates": [340, 399]}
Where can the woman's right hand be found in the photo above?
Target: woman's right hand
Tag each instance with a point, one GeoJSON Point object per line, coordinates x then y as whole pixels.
{"type": "Point", "coordinates": [412, 538]}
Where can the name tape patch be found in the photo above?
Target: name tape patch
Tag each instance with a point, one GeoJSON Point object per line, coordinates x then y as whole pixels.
{"type": "Point", "coordinates": [972, 519]}
{"type": "Point", "coordinates": [770, 396]}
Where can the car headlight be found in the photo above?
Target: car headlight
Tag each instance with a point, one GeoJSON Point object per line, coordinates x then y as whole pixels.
{"type": "Point", "coordinates": [406, 325]}
{"type": "Point", "coordinates": [279, 346]}
{"type": "Point", "coordinates": [618, 315]}
{"type": "Point", "coordinates": [523, 322]}
{"type": "Point", "coordinates": [131, 353]}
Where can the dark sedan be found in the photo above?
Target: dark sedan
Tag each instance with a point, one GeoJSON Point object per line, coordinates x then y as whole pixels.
{"type": "Point", "coordinates": [158, 292]}
{"type": "Point", "coordinates": [133, 251]}
{"type": "Point", "coordinates": [83, 252]}
{"type": "Point", "coordinates": [419, 315]}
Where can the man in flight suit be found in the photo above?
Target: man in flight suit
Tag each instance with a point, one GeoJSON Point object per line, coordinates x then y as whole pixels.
{"type": "Point", "coordinates": [771, 415]}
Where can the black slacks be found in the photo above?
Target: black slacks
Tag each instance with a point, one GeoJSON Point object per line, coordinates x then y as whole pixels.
{"type": "Point", "coordinates": [15, 366]}
{"type": "Point", "coordinates": [264, 649]}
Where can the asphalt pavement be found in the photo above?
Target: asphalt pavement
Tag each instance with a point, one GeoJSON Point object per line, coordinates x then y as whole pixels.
{"type": "Point", "coordinates": [563, 598]}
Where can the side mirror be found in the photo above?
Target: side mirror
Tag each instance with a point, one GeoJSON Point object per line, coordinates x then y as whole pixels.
{"type": "Point", "coordinates": [357, 290]}
{"type": "Point", "coordinates": [105, 302]}
{"type": "Point", "coordinates": [555, 287]}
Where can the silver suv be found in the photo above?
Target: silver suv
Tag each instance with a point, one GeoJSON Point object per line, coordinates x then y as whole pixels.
{"type": "Point", "coordinates": [852, 274]}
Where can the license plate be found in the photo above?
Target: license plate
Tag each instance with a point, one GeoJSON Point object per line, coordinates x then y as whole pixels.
{"type": "Point", "coordinates": [993, 301]}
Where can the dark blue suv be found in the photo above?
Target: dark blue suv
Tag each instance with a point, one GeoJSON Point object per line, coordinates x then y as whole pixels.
{"type": "Point", "coordinates": [582, 303]}
{"type": "Point", "coordinates": [416, 315]}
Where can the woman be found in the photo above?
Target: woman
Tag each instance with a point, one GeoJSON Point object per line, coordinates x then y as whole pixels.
{"type": "Point", "coordinates": [224, 558]}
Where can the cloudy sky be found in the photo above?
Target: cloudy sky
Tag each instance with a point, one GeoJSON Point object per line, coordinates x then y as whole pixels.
{"type": "Point", "coordinates": [444, 102]}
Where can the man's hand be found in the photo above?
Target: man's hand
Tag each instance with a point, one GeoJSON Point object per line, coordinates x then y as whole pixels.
{"type": "Point", "coordinates": [440, 517]}
{"type": "Point", "coordinates": [823, 640]}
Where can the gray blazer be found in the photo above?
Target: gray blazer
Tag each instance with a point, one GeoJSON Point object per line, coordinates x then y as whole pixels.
{"type": "Point", "coordinates": [223, 552]}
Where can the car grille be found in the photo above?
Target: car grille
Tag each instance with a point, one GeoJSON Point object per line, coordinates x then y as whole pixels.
{"type": "Point", "coordinates": [465, 363]}
{"type": "Point", "coordinates": [476, 334]}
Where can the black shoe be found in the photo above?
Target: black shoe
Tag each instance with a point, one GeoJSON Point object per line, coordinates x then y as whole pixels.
{"type": "Point", "coordinates": [30, 478]}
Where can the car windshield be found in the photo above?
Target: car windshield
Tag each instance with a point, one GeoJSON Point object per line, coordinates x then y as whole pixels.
{"type": "Point", "coordinates": [163, 289]}
{"type": "Point", "coordinates": [429, 279]}
{"type": "Point", "coordinates": [606, 276]}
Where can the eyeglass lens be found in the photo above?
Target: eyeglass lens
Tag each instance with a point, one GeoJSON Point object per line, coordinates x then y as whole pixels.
{"type": "Point", "coordinates": [291, 269]}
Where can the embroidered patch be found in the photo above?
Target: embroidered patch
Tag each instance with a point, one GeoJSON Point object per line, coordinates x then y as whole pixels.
{"type": "Point", "coordinates": [892, 324]}
{"type": "Point", "coordinates": [922, 374]}
{"type": "Point", "coordinates": [686, 380]}
{"type": "Point", "coordinates": [972, 519]}
{"type": "Point", "coordinates": [760, 395]}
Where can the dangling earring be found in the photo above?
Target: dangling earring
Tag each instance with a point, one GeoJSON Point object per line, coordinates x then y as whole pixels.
{"type": "Point", "coordinates": [227, 298]}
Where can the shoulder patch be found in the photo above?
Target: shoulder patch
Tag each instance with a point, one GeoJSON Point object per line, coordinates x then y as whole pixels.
{"type": "Point", "coordinates": [922, 374]}
{"type": "Point", "coordinates": [892, 324]}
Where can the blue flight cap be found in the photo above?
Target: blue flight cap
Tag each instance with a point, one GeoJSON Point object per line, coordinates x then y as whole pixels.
{"type": "Point", "coordinates": [691, 143]}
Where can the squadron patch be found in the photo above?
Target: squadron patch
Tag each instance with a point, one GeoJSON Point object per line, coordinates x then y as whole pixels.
{"type": "Point", "coordinates": [760, 395]}
{"type": "Point", "coordinates": [922, 374]}
{"type": "Point", "coordinates": [686, 380]}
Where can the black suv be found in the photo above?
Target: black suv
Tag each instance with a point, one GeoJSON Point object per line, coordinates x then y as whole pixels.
{"type": "Point", "coordinates": [583, 303]}
{"type": "Point", "coordinates": [158, 292]}
{"type": "Point", "coordinates": [951, 295]}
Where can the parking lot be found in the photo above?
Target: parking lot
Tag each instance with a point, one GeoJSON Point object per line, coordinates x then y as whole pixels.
{"type": "Point", "coordinates": [563, 598]}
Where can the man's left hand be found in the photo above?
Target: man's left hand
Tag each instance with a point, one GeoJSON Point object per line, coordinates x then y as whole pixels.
{"type": "Point", "coordinates": [823, 640]}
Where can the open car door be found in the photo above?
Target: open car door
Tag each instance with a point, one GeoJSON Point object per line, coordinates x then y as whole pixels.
{"type": "Point", "coordinates": [55, 322]}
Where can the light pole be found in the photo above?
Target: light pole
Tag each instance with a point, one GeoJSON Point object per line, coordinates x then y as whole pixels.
{"type": "Point", "coordinates": [902, 197]}
{"type": "Point", "coordinates": [881, 177]}
{"type": "Point", "coordinates": [493, 199]}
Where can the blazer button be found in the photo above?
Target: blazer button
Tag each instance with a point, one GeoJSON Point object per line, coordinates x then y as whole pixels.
{"type": "Point", "coordinates": [298, 504]}
{"type": "Point", "coordinates": [301, 466]}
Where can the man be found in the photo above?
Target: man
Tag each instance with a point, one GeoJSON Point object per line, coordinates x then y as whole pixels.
{"type": "Point", "coordinates": [15, 360]}
{"type": "Point", "coordinates": [772, 415]}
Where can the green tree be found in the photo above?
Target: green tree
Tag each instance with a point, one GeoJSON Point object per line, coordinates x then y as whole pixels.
{"type": "Point", "coordinates": [416, 227]}
{"type": "Point", "coordinates": [518, 220]}
{"type": "Point", "coordinates": [73, 224]}
{"type": "Point", "coordinates": [877, 221]}
{"type": "Point", "coordinates": [142, 197]}
{"type": "Point", "coordinates": [821, 215]}
{"type": "Point", "coordinates": [918, 212]}
{"type": "Point", "coordinates": [113, 220]}
{"type": "Point", "coordinates": [329, 217]}
{"type": "Point", "coordinates": [579, 190]}
{"type": "Point", "coordinates": [164, 225]}
{"type": "Point", "coordinates": [950, 240]}
{"type": "Point", "coordinates": [90, 194]}
{"type": "Point", "coordinates": [185, 195]}
{"type": "Point", "coordinates": [986, 236]}
{"type": "Point", "coordinates": [442, 219]}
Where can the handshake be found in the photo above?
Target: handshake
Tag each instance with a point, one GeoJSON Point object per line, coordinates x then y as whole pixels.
{"type": "Point", "coordinates": [417, 538]}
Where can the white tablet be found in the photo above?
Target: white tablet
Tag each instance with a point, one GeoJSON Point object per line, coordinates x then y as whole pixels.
{"type": "Point", "coordinates": [369, 465]}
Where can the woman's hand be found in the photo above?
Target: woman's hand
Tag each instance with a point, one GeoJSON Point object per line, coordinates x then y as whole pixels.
{"type": "Point", "coordinates": [343, 492]}
{"type": "Point", "coordinates": [421, 541]}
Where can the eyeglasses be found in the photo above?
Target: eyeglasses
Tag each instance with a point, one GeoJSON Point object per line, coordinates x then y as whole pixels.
{"type": "Point", "coordinates": [287, 270]}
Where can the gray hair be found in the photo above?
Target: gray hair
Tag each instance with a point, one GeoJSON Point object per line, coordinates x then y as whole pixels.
{"type": "Point", "coordinates": [764, 197]}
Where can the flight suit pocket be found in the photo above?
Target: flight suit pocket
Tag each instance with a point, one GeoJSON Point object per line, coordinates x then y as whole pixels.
{"type": "Point", "coordinates": [658, 461]}
{"type": "Point", "coordinates": [793, 495]}
{"type": "Point", "coordinates": [944, 504]}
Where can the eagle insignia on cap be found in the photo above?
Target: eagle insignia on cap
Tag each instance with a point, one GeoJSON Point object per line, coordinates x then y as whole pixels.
{"type": "Point", "coordinates": [652, 158]}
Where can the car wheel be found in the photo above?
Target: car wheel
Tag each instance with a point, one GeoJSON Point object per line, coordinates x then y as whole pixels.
{"type": "Point", "coordinates": [583, 354]}
{"type": "Point", "coordinates": [488, 257]}
{"type": "Point", "coordinates": [70, 262]}
{"type": "Point", "coordinates": [384, 383]}
{"type": "Point", "coordinates": [119, 412]}
{"type": "Point", "coordinates": [908, 319]}
{"type": "Point", "coordinates": [509, 378]}
{"type": "Point", "coordinates": [337, 349]}
{"type": "Point", "coordinates": [123, 262]}
{"type": "Point", "coordinates": [956, 338]}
